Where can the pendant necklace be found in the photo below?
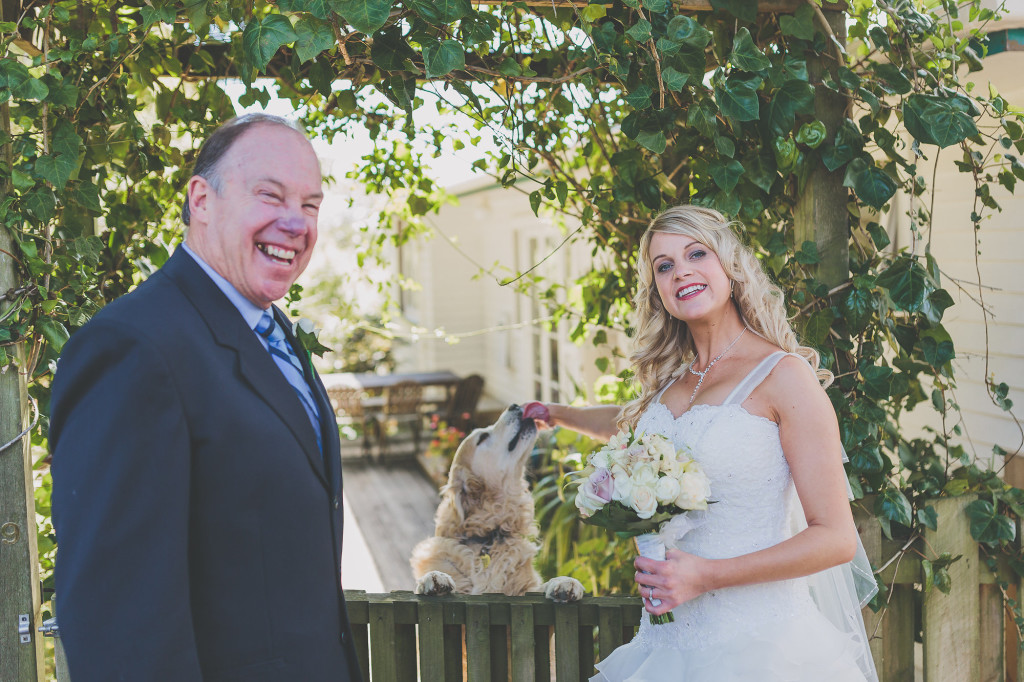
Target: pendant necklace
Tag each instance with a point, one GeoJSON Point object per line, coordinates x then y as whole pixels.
{"type": "Point", "coordinates": [711, 364]}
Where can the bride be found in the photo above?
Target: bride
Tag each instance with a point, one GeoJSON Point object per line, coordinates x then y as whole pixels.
{"type": "Point", "coordinates": [763, 589]}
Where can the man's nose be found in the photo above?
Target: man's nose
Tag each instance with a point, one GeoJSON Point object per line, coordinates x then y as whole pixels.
{"type": "Point", "coordinates": [294, 223]}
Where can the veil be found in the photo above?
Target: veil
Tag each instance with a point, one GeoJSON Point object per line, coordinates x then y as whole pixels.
{"type": "Point", "coordinates": [842, 591]}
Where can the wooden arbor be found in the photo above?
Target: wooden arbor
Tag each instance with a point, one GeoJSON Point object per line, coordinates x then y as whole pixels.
{"type": "Point", "coordinates": [821, 218]}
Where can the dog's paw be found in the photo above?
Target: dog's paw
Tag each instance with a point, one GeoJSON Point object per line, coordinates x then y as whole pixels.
{"type": "Point", "coordinates": [438, 583]}
{"type": "Point", "coordinates": [563, 589]}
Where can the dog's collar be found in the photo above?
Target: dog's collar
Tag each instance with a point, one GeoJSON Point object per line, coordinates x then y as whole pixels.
{"type": "Point", "coordinates": [487, 540]}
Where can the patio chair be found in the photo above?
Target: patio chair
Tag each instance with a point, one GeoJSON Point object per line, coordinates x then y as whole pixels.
{"type": "Point", "coordinates": [348, 407]}
{"type": "Point", "coordinates": [461, 411]}
{"type": "Point", "coordinates": [401, 405]}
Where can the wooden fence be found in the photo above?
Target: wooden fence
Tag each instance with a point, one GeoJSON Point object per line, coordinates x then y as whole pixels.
{"type": "Point", "coordinates": [966, 636]}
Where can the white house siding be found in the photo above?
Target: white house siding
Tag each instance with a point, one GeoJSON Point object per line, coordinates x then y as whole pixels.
{"type": "Point", "coordinates": [493, 228]}
{"type": "Point", "coordinates": [1001, 262]}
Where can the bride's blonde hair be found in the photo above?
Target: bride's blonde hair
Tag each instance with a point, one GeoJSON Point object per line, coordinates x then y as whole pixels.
{"type": "Point", "coordinates": [663, 344]}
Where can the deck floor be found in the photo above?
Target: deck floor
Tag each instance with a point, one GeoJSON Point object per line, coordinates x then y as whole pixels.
{"type": "Point", "coordinates": [394, 507]}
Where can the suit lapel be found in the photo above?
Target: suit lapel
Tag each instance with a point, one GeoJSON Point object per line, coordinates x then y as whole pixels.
{"type": "Point", "coordinates": [256, 365]}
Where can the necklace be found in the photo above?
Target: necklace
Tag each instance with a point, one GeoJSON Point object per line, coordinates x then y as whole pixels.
{"type": "Point", "coordinates": [711, 364]}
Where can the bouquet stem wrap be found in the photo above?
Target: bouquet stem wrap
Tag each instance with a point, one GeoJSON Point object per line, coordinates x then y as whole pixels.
{"type": "Point", "coordinates": [650, 545]}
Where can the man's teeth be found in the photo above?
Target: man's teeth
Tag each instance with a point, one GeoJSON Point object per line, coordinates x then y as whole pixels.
{"type": "Point", "coordinates": [690, 289]}
{"type": "Point", "coordinates": [276, 251]}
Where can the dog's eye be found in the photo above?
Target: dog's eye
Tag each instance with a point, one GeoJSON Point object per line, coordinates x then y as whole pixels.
{"type": "Point", "coordinates": [483, 436]}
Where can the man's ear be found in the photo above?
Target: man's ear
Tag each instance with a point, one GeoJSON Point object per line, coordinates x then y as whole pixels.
{"type": "Point", "coordinates": [199, 191]}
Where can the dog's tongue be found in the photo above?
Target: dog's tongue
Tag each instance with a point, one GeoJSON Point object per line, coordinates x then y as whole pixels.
{"type": "Point", "coordinates": [536, 411]}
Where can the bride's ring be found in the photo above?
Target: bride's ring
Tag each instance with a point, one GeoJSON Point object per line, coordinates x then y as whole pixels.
{"type": "Point", "coordinates": [650, 594]}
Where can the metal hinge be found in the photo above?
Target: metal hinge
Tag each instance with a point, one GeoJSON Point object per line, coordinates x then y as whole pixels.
{"type": "Point", "coordinates": [49, 628]}
{"type": "Point", "coordinates": [24, 628]}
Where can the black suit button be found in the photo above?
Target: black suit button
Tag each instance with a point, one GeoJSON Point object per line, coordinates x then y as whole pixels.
{"type": "Point", "coordinates": [336, 501]}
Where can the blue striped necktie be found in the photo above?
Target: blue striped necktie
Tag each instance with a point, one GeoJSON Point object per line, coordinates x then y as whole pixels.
{"type": "Point", "coordinates": [291, 367]}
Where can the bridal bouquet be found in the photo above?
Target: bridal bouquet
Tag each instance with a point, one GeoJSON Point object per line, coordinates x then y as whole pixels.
{"type": "Point", "coordinates": [639, 485]}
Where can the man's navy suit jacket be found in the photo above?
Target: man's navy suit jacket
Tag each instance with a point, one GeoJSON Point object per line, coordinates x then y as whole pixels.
{"type": "Point", "coordinates": [199, 528]}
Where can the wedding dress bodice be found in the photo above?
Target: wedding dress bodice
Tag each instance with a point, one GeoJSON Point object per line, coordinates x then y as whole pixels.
{"type": "Point", "coordinates": [771, 631]}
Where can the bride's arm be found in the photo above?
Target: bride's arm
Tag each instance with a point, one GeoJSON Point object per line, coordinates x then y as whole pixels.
{"type": "Point", "coordinates": [809, 433]}
{"type": "Point", "coordinates": [597, 421]}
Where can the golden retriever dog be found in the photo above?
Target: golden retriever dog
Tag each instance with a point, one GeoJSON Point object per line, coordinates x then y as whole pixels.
{"type": "Point", "coordinates": [485, 532]}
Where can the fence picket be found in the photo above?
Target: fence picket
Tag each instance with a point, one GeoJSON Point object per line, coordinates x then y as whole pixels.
{"type": "Point", "coordinates": [950, 622]}
{"type": "Point", "coordinates": [523, 643]}
{"type": "Point", "coordinates": [567, 643]}
{"type": "Point", "coordinates": [478, 638]}
{"type": "Point", "coordinates": [991, 633]}
{"type": "Point", "coordinates": [431, 640]}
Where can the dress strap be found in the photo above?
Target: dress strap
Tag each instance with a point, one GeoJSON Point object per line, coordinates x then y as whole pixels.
{"type": "Point", "coordinates": [755, 377]}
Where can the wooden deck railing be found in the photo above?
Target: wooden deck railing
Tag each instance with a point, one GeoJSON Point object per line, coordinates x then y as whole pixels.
{"type": "Point", "coordinates": [966, 636]}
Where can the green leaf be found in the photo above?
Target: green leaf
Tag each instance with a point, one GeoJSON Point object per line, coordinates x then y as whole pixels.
{"type": "Point", "coordinates": [763, 172]}
{"type": "Point", "coordinates": [874, 186]}
{"type": "Point", "coordinates": [879, 236]}
{"type": "Point", "coordinates": [318, 8]}
{"type": "Point", "coordinates": [262, 38]}
{"type": "Point", "coordinates": [368, 16]}
{"type": "Point", "coordinates": [703, 115]}
{"type": "Point", "coordinates": [928, 517]}
{"type": "Point", "coordinates": [654, 141]}
{"type": "Point", "coordinates": [847, 144]}
{"type": "Point", "coordinates": [686, 31]}
{"type": "Point", "coordinates": [894, 78]}
{"type": "Point", "coordinates": [893, 504]}
{"type": "Point", "coordinates": [58, 167]}
{"type": "Point", "coordinates": [657, 6]}
{"type": "Point", "coordinates": [390, 51]}
{"type": "Point", "coordinates": [936, 120]}
{"type": "Point", "coordinates": [738, 99]}
{"type": "Point", "coordinates": [535, 200]}
{"type": "Point", "coordinates": [794, 97]}
{"type": "Point", "coordinates": [727, 174]}
{"type": "Point", "coordinates": [745, 54]}
{"type": "Point", "coordinates": [640, 96]}
{"type": "Point", "coordinates": [987, 525]}
{"type": "Point", "coordinates": [857, 306]}
{"type": "Point", "coordinates": [800, 24]}
{"type": "Point", "coordinates": [53, 331]}
{"type": "Point", "coordinates": [442, 58]}
{"type": "Point", "coordinates": [937, 346]}
{"type": "Point", "coordinates": [40, 203]}
{"type": "Point", "coordinates": [673, 80]}
{"type": "Point", "coordinates": [817, 327]}
{"type": "Point", "coordinates": [314, 36]}
{"type": "Point", "coordinates": [640, 32]}
{"type": "Point", "coordinates": [452, 10]}
{"type": "Point", "coordinates": [725, 146]}
{"type": "Point", "coordinates": [592, 13]}
{"type": "Point", "coordinates": [811, 134]}
{"type": "Point", "coordinates": [877, 381]}
{"type": "Point", "coordinates": [907, 283]}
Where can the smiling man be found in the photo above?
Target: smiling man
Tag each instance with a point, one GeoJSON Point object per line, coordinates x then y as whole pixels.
{"type": "Point", "coordinates": [196, 464]}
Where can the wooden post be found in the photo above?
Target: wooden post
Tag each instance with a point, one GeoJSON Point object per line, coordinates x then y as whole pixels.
{"type": "Point", "coordinates": [19, 565]}
{"type": "Point", "coordinates": [820, 214]}
{"type": "Point", "coordinates": [951, 631]}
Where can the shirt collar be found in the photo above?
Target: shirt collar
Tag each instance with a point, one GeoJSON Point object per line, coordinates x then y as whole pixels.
{"type": "Point", "coordinates": [251, 312]}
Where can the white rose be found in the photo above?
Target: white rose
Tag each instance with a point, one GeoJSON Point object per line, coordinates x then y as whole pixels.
{"type": "Point", "coordinates": [645, 474]}
{"type": "Point", "coordinates": [660, 448]}
{"type": "Point", "coordinates": [623, 485]}
{"type": "Point", "coordinates": [667, 490]}
{"type": "Point", "coordinates": [600, 459]}
{"type": "Point", "coordinates": [694, 490]}
{"type": "Point", "coordinates": [306, 325]}
{"type": "Point", "coordinates": [618, 457]}
{"type": "Point", "coordinates": [644, 502]}
{"type": "Point", "coordinates": [672, 467]}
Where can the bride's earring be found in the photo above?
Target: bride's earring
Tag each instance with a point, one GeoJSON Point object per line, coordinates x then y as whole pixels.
{"type": "Point", "coordinates": [732, 288]}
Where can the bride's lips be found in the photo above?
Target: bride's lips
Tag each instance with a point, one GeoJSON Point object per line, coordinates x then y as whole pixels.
{"type": "Point", "coordinates": [689, 291]}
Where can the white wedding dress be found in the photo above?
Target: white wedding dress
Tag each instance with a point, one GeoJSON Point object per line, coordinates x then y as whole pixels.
{"type": "Point", "coordinates": [766, 632]}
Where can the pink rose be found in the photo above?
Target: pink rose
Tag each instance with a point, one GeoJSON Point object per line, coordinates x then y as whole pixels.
{"type": "Point", "coordinates": [602, 484]}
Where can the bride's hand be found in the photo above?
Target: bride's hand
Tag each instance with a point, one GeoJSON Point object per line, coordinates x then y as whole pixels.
{"type": "Point", "coordinates": [678, 579]}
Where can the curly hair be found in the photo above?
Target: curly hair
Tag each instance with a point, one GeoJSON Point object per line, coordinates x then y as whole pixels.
{"type": "Point", "coordinates": [663, 344]}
